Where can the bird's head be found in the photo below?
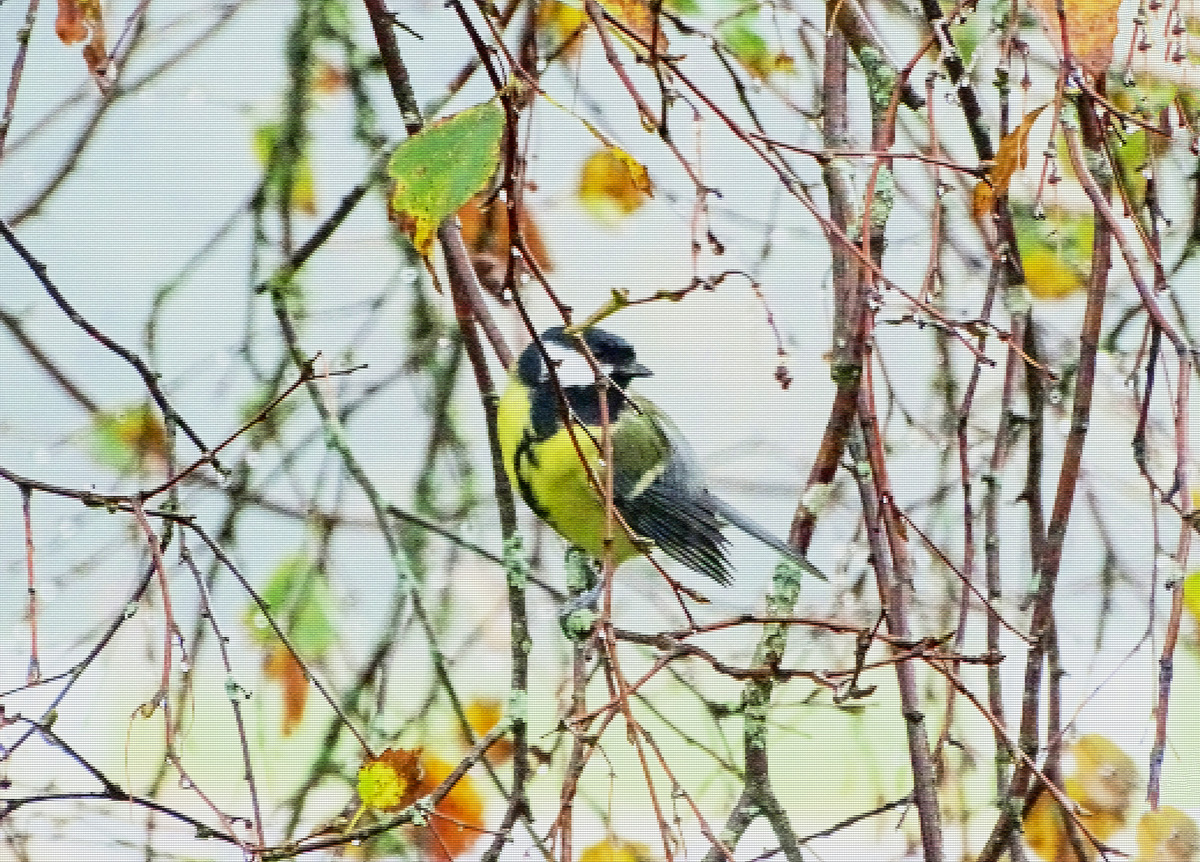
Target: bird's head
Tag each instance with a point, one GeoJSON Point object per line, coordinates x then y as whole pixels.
{"type": "Point", "coordinates": [614, 356]}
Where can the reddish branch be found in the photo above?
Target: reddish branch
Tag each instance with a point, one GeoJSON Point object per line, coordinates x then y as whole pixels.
{"type": "Point", "coordinates": [1048, 560]}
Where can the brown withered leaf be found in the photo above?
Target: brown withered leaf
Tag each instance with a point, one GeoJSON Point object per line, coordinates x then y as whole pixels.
{"type": "Point", "coordinates": [1091, 30]}
{"type": "Point", "coordinates": [1012, 154]}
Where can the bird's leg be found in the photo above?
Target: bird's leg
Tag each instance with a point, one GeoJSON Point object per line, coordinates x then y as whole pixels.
{"type": "Point", "coordinates": [577, 616]}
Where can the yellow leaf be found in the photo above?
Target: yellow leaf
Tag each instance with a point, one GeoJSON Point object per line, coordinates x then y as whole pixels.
{"type": "Point", "coordinates": [1167, 835]}
{"type": "Point", "coordinates": [484, 713]}
{"type": "Point", "coordinates": [1091, 30]}
{"type": "Point", "coordinates": [1044, 829]}
{"type": "Point", "coordinates": [1012, 154]}
{"type": "Point", "coordinates": [638, 174]}
{"type": "Point", "coordinates": [1191, 595]}
{"type": "Point", "coordinates": [614, 849]}
{"type": "Point", "coordinates": [612, 184]}
{"type": "Point", "coordinates": [1104, 777]}
{"type": "Point", "coordinates": [391, 781]}
{"type": "Point", "coordinates": [561, 26]}
{"type": "Point", "coordinates": [1102, 785]}
{"type": "Point", "coordinates": [132, 439]}
{"type": "Point", "coordinates": [304, 195]}
{"type": "Point", "coordinates": [1049, 276]}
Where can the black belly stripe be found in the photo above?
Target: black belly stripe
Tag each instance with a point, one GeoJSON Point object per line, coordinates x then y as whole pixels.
{"type": "Point", "coordinates": [523, 455]}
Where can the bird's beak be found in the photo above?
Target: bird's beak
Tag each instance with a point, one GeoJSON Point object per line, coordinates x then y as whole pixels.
{"type": "Point", "coordinates": [635, 369]}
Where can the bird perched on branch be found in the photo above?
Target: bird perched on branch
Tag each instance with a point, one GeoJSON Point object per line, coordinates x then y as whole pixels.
{"type": "Point", "coordinates": [658, 490]}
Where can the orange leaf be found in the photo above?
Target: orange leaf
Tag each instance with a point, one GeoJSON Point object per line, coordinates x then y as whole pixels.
{"type": "Point", "coordinates": [77, 20]}
{"type": "Point", "coordinates": [71, 25]}
{"type": "Point", "coordinates": [328, 78]}
{"type": "Point", "coordinates": [1012, 154]}
{"type": "Point", "coordinates": [282, 666]}
{"type": "Point", "coordinates": [453, 828]}
{"type": "Point", "coordinates": [391, 781]}
{"type": "Point", "coordinates": [561, 26]}
{"type": "Point", "coordinates": [1091, 30]}
{"type": "Point", "coordinates": [485, 231]}
{"type": "Point", "coordinates": [638, 17]}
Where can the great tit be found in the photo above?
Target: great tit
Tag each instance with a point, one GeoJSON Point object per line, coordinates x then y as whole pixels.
{"type": "Point", "coordinates": [657, 485]}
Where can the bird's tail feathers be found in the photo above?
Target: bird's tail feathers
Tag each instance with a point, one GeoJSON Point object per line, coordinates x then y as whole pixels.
{"type": "Point", "coordinates": [751, 528]}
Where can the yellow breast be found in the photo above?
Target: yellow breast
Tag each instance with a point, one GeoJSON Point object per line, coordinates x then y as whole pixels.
{"type": "Point", "coordinates": [549, 476]}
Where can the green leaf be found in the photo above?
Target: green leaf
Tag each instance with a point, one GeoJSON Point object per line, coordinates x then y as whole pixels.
{"type": "Point", "coordinates": [748, 45]}
{"type": "Point", "coordinates": [299, 603]}
{"type": "Point", "coordinates": [438, 169]}
{"type": "Point", "coordinates": [683, 7]}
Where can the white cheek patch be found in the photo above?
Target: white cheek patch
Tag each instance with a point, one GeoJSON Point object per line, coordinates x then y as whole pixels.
{"type": "Point", "coordinates": [572, 367]}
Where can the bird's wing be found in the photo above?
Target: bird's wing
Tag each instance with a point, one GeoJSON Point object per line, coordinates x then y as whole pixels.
{"type": "Point", "coordinates": [658, 491]}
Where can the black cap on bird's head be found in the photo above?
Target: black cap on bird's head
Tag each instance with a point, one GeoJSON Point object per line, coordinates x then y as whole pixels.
{"type": "Point", "coordinates": [614, 355]}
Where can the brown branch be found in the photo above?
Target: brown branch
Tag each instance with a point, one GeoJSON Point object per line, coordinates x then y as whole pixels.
{"type": "Point", "coordinates": [34, 672]}
{"type": "Point", "coordinates": [18, 68]}
{"type": "Point", "coordinates": [1166, 662]}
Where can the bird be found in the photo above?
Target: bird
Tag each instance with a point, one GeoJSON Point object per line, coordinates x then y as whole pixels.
{"type": "Point", "coordinates": [658, 486]}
